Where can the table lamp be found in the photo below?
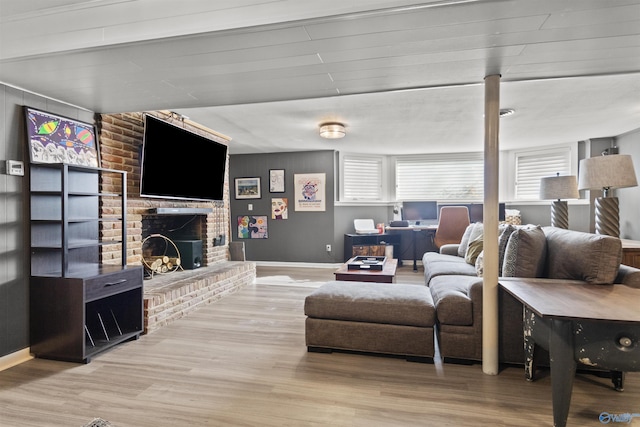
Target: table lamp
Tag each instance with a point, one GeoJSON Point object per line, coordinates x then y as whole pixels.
{"type": "Point", "coordinates": [559, 187]}
{"type": "Point", "coordinates": [604, 173]}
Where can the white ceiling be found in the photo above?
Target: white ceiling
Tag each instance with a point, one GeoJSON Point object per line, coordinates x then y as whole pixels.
{"type": "Point", "coordinates": [403, 76]}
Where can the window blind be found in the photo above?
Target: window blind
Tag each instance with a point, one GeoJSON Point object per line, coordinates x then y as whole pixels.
{"type": "Point", "coordinates": [362, 178]}
{"type": "Point", "coordinates": [440, 177]}
{"type": "Point", "coordinates": [530, 167]}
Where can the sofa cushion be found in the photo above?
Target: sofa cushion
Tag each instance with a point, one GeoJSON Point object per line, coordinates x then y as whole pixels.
{"type": "Point", "coordinates": [525, 253]}
{"type": "Point", "coordinates": [594, 258]}
{"type": "Point", "coordinates": [390, 303]}
{"type": "Point", "coordinates": [451, 298]}
{"type": "Point", "coordinates": [436, 264]}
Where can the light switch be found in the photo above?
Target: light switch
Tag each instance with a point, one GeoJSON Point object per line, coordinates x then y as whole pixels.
{"type": "Point", "coordinates": [250, 206]}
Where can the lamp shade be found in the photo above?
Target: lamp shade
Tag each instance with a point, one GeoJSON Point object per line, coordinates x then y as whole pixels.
{"type": "Point", "coordinates": [605, 172]}
{"type": "Point", "coordinates": [559, 187]}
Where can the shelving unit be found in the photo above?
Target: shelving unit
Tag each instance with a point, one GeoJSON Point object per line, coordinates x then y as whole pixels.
{"type": "Point", "coordinates": [79, 306]}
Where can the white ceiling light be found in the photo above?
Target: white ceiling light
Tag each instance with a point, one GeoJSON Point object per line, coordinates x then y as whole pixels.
{"type": "Point", "coordinates": [332, 130]}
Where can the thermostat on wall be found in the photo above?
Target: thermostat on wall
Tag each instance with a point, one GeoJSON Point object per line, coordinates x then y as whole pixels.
{"type": "Point", "coordinates": [15, 167]}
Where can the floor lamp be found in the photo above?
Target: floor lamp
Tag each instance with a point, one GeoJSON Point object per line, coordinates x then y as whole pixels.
{"type": "Point", "coordinates": [556, 188]}
{"type": "Point", "coordinates": [605, 173]}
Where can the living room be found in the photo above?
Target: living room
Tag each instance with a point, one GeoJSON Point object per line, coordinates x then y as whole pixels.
{"type": "Point", "coordinates": [288, 241]}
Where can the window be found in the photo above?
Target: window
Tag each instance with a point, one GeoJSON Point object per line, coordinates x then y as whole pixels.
{"type": "Point", "coordinates": [362, 178]}
{"type": "Point", "coordinates": [440, 177]}
{"type": "Point", "coordinates": [531, 166]}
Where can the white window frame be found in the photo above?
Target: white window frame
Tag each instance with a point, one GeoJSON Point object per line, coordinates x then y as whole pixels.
{"type": "Point", "coordinates": [348, 189]}
{"type": "Point", "coordinates": [543, 155]}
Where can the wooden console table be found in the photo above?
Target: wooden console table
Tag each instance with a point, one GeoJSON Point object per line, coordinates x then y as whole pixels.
{"type": "Point", "coordinates": [597, 325]}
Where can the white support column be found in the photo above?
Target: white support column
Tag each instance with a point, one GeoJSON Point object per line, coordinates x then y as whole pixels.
{"type": "Point", "coordinates": [490, 220]}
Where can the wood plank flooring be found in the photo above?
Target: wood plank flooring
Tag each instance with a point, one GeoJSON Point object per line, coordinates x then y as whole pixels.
{"type": "Point", "coordinates": [242, 362]}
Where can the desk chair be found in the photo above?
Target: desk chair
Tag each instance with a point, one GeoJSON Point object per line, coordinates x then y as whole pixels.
{"type": "Point", "coordinates": [452, 223]}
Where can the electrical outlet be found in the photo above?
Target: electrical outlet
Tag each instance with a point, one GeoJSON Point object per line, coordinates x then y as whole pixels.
{"type": "Point", "coordinates": [328, 248]}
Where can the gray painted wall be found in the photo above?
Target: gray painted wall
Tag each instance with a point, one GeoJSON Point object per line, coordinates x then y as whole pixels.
{"type": "Point", "coordinates": [303, 236]}
{"type": "Point", "coordinates": [629, 198]}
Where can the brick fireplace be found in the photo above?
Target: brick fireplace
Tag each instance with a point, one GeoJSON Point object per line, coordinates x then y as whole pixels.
{"type": "Point", "coordinates": [121, 137]}
{"type": "Point", "coordinates": [168, 297]}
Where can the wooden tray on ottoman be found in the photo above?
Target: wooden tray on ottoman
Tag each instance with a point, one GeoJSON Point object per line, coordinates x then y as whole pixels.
{"type": "Point", "coordinates": [366, 263]}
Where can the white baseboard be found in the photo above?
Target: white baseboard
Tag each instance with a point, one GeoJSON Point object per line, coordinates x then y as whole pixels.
{"type": "Point", "coordinates": [297, 264]}
{"type": "Point", "coordinates": [15, 358]}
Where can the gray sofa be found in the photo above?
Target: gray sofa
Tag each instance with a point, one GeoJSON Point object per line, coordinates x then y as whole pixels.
{"type": "Point", "coordinates": [538, 253]}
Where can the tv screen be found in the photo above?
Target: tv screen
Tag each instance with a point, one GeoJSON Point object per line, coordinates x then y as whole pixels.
{"type": "Point", "coordinates": [419, 210]}
{"type": "Point", "coordinates": [179, 164]}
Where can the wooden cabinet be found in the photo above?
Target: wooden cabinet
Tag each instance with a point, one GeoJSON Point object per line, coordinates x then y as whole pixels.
{"type": "Point", "coordinates": [631, 253]}
{"type": "Point", "coordinates": [78, 305]}
{"type": "Point", "coordinates": [370, 244]}
{"type": "Point", "coordinates": [368, 250]}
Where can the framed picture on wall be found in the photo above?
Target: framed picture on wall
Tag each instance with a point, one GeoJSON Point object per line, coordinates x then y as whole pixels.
{"type": "Point", "coordinates": [276, 180]}
{"type": "Point", "coordinates": [310, 192]}
{"type": "Point", "coordinates": [248, 188]}
{"type": "Point", "coordinates": [57, 139]}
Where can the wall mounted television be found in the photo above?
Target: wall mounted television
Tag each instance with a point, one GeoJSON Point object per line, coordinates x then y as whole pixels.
{"type": "Point", "coordinates": [179, 164]}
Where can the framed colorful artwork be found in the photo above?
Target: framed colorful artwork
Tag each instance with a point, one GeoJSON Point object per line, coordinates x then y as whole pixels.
{"type": "Point", "coordinates": [58, 139]}
{"type": "Point", "coordinates": [276, 180]}
{"type": "Point", "coordinates": [279, 208]}
{"type": "Point", "coordinates": [252, 227]}
{"type": "Point", "coordinates": [310, 192]}
{"type": "Point", "coordinates": [248, 188]}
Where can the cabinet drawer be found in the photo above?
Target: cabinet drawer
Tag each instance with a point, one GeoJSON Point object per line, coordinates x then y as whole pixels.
{"type": "Point", "coordinates": [110, 284]}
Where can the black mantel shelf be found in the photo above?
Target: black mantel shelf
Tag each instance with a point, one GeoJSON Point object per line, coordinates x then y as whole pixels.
{"type": "Point", "coordinates": [180, 211]}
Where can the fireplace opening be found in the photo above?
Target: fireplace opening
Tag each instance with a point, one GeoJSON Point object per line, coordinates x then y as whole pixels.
{"type": "Point", "coordinates": [177, 240]}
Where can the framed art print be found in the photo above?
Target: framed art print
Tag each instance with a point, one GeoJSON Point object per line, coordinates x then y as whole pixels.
{"type": "Point", "coordinates": [248, 188]}
{"type": "Point", "coordinates": [57, 139]}
{"type": "Point", "coordinates": [310, 192]}
{"type": "Point", "coordinates": [276, 180]}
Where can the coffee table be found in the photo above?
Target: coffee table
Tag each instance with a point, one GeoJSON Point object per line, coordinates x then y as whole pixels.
{"type": "Point", "coordinates": [386, 275]}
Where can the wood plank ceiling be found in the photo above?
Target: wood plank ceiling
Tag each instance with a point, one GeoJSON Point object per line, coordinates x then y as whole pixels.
{"type": "Point", "coordinates": [404, 77]}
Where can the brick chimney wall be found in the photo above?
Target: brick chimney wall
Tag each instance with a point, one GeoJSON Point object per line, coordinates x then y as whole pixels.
{"type": "Point", "coordinates": [120, 137]}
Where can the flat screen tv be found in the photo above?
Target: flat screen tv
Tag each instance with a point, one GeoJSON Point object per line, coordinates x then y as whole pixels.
{"type": "Point", "coordinates": [179, 164]}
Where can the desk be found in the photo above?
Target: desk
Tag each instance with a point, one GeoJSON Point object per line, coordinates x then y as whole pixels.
{"type": "Point", "coordinates": [415, 229]}
{"type": "Point", "coordinates": [597, 325]}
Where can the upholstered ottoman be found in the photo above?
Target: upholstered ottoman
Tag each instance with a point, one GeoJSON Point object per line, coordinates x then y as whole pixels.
{"type": "Point", "coordinates": [388, 318]}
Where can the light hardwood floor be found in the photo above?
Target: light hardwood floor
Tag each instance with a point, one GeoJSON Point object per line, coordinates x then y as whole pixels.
{"type": "Point", "coordinates": [242, 362]}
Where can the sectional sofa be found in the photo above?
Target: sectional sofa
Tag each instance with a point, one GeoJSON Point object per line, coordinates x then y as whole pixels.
{"type": "Point", "coordinates": [454, 277]}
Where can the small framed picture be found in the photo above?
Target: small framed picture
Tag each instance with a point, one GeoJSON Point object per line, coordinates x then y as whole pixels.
{"type": "Point", "coordinates": [248, 188]}
{"type": "Point", "coordinates": [276, 180]}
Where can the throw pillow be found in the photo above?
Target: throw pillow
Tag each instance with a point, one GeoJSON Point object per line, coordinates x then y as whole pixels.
{"type": "Point", "coordinates": [504, 232]}
{"type": "Point", "coordinates": [480, 264]}
{"type": "Point", "coordinates": [475, 247]}
{"type": "Point", "coordinates": [525, 253]}
{"type": "Point", "coordinates": [464, 242]}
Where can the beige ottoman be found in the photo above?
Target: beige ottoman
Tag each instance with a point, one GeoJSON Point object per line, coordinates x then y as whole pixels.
{"type": "Point", "coordinates": [388, 318]}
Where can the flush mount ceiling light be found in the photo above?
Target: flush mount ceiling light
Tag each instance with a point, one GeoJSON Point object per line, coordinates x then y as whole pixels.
{"type": "Point", "coordinates": [332, 130]}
